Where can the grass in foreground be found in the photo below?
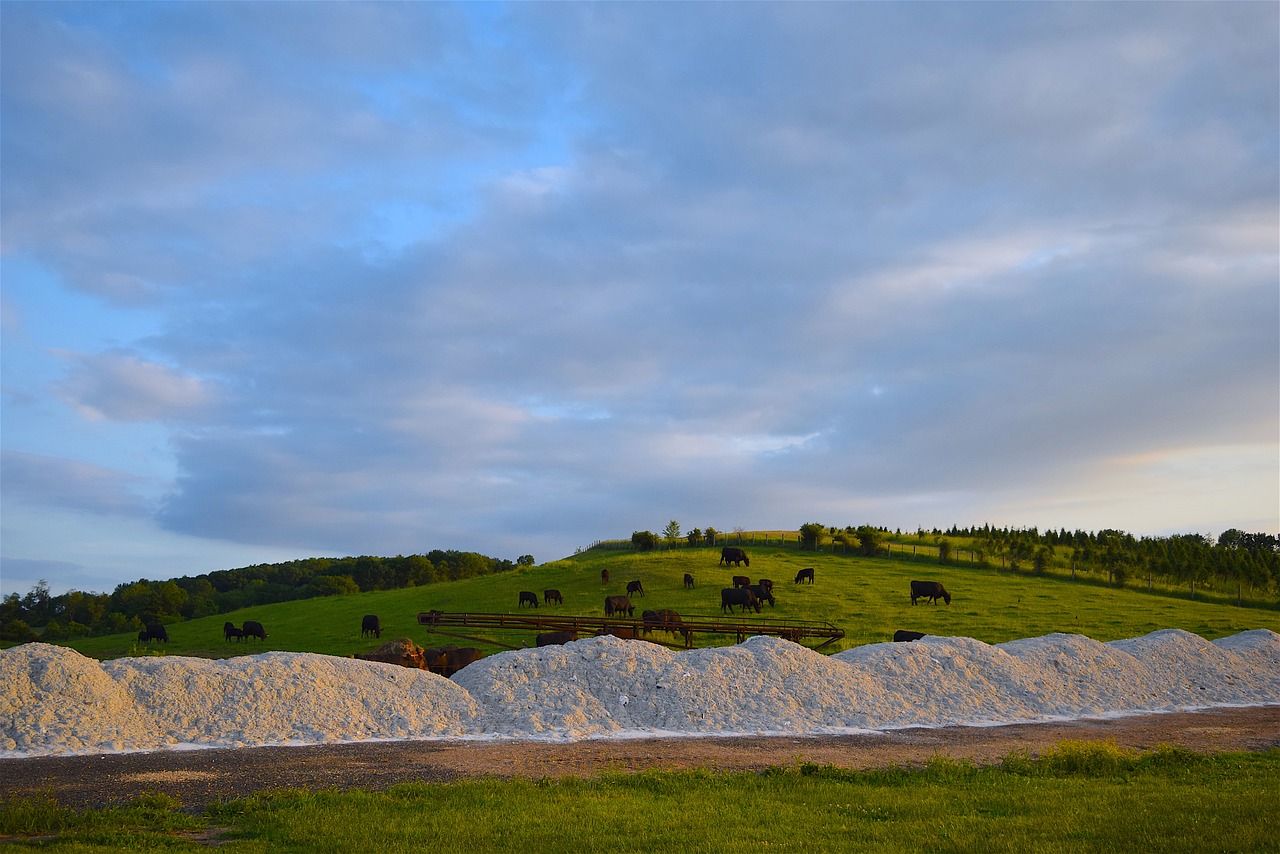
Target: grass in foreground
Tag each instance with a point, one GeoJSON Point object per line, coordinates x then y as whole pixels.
{"type": "Point", "coordinates": [1078, 797]}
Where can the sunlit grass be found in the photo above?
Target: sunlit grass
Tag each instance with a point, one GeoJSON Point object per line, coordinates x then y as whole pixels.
{"type": "Point", "coordinates": [868, 598]}
{"type": "Point", "coordinates": [1078, 797]}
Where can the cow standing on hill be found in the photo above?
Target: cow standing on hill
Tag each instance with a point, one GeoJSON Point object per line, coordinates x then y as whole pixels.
{"type": "Point", "coordinates": [604, 576]}
{"type": "Point", "coordinates": [734, 555]}
{"type": "Point", "coordinates": [741, 581]}
{"type": "Point", "coordinates": [931, 590]}
{"type": "Point", "coordinates": [370, 626]}
{"type": "Point", "coordinates": [549, 596]}
{"type": "Point", "coordinates": [688, 581]}
{"type": "Point", "coordinates": [153, 631]}
{"type": "Point", "coordinates": [804, 575]}
{"type": "Point", "coordinates": [230, 631]}
{"type": "Point", "coordinates": [731, 596]}
{"type": "Point", "coordinates": [762, 593]}
{"type": "Point", "coordinates": [253, 629]}
{"type": "Point", "coordinates": [528, 597]}
{"type": "Point", "coordinates": [635, 587]}
{"type": "Point", "coordinates": [618, 605]}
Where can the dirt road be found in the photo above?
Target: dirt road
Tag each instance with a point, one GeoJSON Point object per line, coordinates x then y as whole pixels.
{"type": "Point", "coordinates": [196, 777]}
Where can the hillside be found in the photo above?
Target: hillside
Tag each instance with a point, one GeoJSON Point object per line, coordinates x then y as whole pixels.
{"type": "Point", "coordinates": [866, 597]}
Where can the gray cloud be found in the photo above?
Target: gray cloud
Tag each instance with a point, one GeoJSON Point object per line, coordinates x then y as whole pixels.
{"type": "Point", "coordinates": [431, 277]}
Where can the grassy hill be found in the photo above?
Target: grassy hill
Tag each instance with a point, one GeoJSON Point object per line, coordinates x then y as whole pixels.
{"type": "Point", "coordinates": [866, 597]}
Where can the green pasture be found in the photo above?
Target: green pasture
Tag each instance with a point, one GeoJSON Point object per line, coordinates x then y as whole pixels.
{"type": "Point", "coordinates": [866, 597]}
{"type": "Point", "coordinates": [1079, 797]}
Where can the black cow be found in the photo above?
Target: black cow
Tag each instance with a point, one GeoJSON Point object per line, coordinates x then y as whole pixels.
{"type": "Point", "coordinates": [635, 587]}
{"type": "Point", "coordinates": [651, 622]}
{"type": "Point", "coordinates": [153, 631]}
{"type": "Point", "coordinates": [253, 629]}
{"type": "Point", "coordinates": [688, 581]}
{"type": "Point", "coordinates": [762, 593]}
{"type": "Point", "coordinates": [766, 583]}
{"type": "Point", "coordinates": [604, 576]}
{"type": "Point", "coordinates": [931, 590]}
{"type": "Point", "coordinates": [731, 596]}
{"type": "Point", "coordinates": [529, 597]}
{"type": "Point", "coordinates": [733, 555]}
{"type": "Point", "coordinates": [230, 631]}
{"type": "Point", "coordinates": [617, 605]}
{"type": "Point", "coordinates": [804, 575]}
{"type": "Point", "coordinates": [903, 636]}
{"type": "Point", "coordinates": [741, 581]}
{"type": "Point", "coordinates": [549, 596]}
{"type": "Point", "coordinates": [555, 638]}
{"type": "Point", "coordinates": [370, 625]}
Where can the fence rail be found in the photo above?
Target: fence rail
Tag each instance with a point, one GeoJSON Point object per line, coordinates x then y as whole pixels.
{"type": "Point", "coordinates": [794, 630]}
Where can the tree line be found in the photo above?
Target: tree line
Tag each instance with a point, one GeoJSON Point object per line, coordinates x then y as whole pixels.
{"type": "Point", "coordinates": [1236, 560]}
{"type": "Point", "coordinates": [134, 604]}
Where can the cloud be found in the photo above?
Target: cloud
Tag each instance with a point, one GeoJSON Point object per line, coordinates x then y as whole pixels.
{"type": "Point", "coordinates": [50, 481]}
{"type": "Point", "coordinates": [523, 277]}
{"type": "Point", "coordinates": [123, 387]}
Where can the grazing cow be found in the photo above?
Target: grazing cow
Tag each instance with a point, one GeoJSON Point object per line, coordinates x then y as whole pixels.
{"type": "Point", "coordinates": [688, 581]}
{"type": "Point", "coordinates": [762, 593]}
{"type": "Point", "coordinates": [153, 631]}
{"type": "Point", "coordinates": [635, 587]}
{"type": "Point", "coordinates": [624, 632]}
{"type": "Point", "coordinates": [766, 583]}
{"type": "Point", "coordinates": [448, 660]}
{"type": "Point", "coordinates": [429, 618]}
{"type": "Point", "coordinates": [931, 590]}
{"type": "Point", "coordinates": [529, 597]}
{"type": "Point", "coordinates": [370, 626]}
{"type": "Point", "coordinates": [549, 596]}
{"type": "Point", "coordinates": [401, 651]}
{"type": "Point", "coordinates": [741, 581]}
{"type": "Point", "coordinates": [733, 555]}
{"type": "Point", "coordinates": [903, 636]}
{"type": "Point", "coordinates": [617, 605]}
{"type": "Point", "coordinates": [804, 575]}
{"type": "Point", "coordinates": [604, 576]}
{"type": "Point", "coordinates": [230, 631]}
{"type": "Point", "coordinates": [253, 629]}
{"type": "Point", "coordinates": [555, 638]}
{"type": "Point", "coordinates": [651, 621]}
{"type": "Point", "coordinates": [731, 596]}
{"type": "Point", "coordinates": [670, 620]}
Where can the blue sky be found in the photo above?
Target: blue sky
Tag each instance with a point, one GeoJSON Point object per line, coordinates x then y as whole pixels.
{"type": "Point", "coordinates": [285, 280]}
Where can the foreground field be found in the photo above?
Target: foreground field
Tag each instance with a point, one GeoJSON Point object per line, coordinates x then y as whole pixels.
{"type": "Point", "coordinates": [1076, 796]}
{"type": "Point", "coordinates": [866, 597]}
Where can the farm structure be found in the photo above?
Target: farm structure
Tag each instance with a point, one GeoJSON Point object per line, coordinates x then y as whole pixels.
{"type": "Point", "coordinates": [443, 623]}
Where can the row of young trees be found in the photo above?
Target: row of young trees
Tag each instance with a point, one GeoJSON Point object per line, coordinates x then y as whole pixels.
{"type": "Point", "coordinates": [1236, 560]}
{"type": "Point", "coordinates": [132, 605]}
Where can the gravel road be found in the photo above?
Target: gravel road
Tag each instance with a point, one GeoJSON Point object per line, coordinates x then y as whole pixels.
{"type": "Point", "coordinates": [197, 777]}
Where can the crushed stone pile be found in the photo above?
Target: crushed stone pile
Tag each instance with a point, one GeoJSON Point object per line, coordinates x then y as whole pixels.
{"type": "Point", "coordinates": [55, 701]}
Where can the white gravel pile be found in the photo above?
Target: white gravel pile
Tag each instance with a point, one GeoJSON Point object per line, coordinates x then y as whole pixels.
{"type": "Point", "coordinates": [53, 700]}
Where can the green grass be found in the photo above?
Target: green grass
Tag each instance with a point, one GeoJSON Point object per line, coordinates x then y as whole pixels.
{"type": "Point", "coordinates": [1083, 797]}
{"type": "Point", "coordinates": [866, 597]}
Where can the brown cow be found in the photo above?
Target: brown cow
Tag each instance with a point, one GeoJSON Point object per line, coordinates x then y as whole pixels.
{"type": "Point", "coordinates": [688, 581]}
{"type": "Point", "coordinates": [549, 596]}
{"type": "Point", "coordinates": [604, 576]}
{"type": "Point", "coordinates": [741, 581]}
{"type": "Point", "coordinates": [618, 605]}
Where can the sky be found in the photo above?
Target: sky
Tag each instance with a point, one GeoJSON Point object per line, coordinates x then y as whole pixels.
{"type": "Point", "coordinates": [286, 280]}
